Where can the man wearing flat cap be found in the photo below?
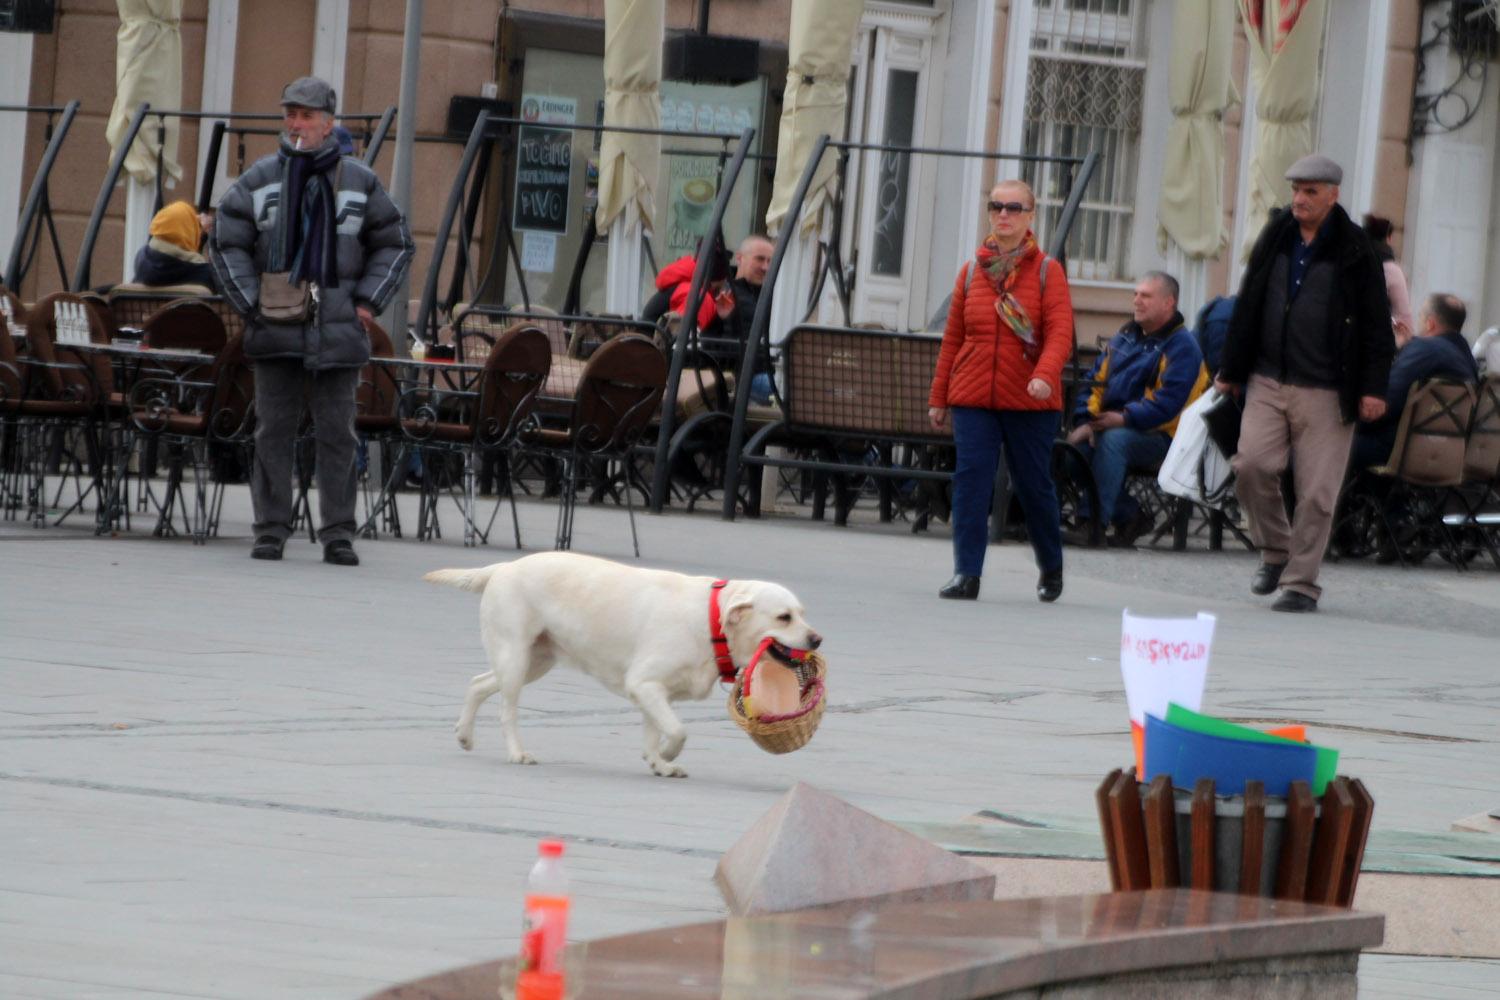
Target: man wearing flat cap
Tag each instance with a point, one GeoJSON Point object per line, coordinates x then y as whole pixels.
{"type": "Point", "coordinates": [1310, 345]}
{"type": "Point", "coordinates": [308, 248]}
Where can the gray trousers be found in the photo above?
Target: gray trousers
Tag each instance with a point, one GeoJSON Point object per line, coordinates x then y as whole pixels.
{"type": "Point", "coordinates": [281, 386]}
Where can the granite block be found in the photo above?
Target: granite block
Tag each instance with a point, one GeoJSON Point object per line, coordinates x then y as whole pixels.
{"type": "Point", "coordinates": [814, 849]}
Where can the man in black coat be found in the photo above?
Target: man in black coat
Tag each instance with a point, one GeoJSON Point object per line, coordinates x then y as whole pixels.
{"type": "Point", "coordinates": [1310, 345]}
{"type": "Point", "coordinates": [750, 266]}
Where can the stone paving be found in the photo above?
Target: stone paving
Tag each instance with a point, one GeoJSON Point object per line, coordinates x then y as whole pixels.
{"type": "Point", "coordinates": [226, 778]}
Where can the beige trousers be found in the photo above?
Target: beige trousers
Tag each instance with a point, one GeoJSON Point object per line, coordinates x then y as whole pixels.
{"type": "Point", "coordinates": [1283, 422]}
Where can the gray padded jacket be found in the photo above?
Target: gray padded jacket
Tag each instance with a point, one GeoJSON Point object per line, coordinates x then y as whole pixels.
{"type": "Point", "coordinates": [373, 251]}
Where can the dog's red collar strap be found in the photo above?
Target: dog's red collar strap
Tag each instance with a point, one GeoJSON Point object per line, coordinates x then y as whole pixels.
{"type": "Point", "coordinates": [716, 634]}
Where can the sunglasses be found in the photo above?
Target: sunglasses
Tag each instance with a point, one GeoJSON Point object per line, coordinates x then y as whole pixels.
{"type": "Point", "coordinates": [1013, 207]}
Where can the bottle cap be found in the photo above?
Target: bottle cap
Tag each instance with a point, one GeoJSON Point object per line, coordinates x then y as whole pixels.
{"type": "Point", "coordinates": [551, 849]}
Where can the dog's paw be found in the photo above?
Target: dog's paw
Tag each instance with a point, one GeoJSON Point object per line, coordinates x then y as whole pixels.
{"type": "Point", "coordinates": [522, 758]}
{"type": "Point", "coordinates": [465, 740]}
{"type": "Point", "coordinates": [664, 770]}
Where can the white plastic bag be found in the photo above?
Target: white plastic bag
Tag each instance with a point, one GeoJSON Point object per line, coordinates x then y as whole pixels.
{"type": "Point", "coordinates": [1195, 468]}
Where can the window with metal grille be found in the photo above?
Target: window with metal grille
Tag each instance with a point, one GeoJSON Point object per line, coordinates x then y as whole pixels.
{"type": "Point", "coordinates": [1084, 91]}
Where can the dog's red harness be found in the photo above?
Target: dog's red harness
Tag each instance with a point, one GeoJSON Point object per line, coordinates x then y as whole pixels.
{"type": "Point", "coordinates": [716, 634]}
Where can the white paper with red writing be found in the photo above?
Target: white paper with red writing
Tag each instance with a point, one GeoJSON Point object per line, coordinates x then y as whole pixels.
{"type": "Point", "coordinates": [1164, 660]}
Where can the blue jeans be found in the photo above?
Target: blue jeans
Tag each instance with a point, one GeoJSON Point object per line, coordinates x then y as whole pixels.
{"type": "Point", "coordinates": [760, 388]}
{"type": "Point", "coordinates": [1027, 436]}
{"type": "Point", "coordinates": [1115, 452]}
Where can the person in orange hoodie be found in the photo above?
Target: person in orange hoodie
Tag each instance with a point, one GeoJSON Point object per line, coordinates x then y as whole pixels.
{"type": "Point", "coordinates": [171, 256]}
{"type": "Point", "coordinates": [999, 382]}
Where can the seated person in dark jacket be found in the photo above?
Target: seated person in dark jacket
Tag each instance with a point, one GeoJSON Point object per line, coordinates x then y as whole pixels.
{"type": "Point", "coordinates": [1142, 380]}
{"type": "Point", "coordinates": [1438, 350]}
{"type": "Point", "coordinates": [171, 256]}
{"type": "Point", "coordinates": [1213, 326]}
{"type": "Point", "coordinates": [750, 266]}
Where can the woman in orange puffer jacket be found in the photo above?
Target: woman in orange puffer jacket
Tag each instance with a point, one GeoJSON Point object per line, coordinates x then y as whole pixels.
{"type": "Point", "coordinates": [999, 379]}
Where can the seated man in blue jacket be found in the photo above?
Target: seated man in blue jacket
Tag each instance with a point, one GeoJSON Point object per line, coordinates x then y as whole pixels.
{"type": "Point", "coordinates": [1146, 374]}
{"type": "Point", "coordinates": [1438, 350]}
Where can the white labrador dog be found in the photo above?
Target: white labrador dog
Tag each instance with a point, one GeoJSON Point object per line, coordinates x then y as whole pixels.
{"type": "Point", "coordinates": [643, 633]}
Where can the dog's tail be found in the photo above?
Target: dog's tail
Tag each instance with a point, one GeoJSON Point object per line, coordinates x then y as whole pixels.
{"type": "Point", "coordinates": [473, 580]}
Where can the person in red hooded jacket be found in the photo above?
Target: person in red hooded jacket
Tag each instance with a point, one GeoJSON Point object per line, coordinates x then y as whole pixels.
{"type": "Point", "coordinates": [674, 282]}
{"type": "Point", "coordinates": [999, 380]}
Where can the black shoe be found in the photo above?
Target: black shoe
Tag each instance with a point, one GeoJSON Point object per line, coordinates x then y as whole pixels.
{"type": "Point", "coordinates": [1049, 586]}
{"type": "Point", "coordinates": [267, 547]}
{"type": "Point", "coordinates": [1295, 602]}
{"type": "Point", "coordinates": [1125, 535]}
{"type": "Point", "coordinates": [1266, 578]}
{"type": "Point", "coordinates": [960, 588]}
{"type": "Point", "coordinates": [340, 553]}
{"type": "Point", "coordinates": [1081, 534]}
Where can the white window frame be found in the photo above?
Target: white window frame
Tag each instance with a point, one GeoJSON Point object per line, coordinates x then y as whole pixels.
{"type": "Point", "coordinates": [1026, 21]}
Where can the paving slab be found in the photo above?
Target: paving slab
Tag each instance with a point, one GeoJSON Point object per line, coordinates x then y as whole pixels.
{"type": "Point", "coordinates": [224, 778]}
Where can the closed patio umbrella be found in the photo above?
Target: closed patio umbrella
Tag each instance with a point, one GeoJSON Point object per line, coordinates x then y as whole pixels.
{"type": "Point", "coordinates": [148, 67]}
{"type": "Point", "coordinates": [1286, 37]}
{"type": "Point", "coordinates": [822, 36]}
{"type": "Point", "coordinates": [1191, 213]}
{"type": "Point", "coordinates": [628, 163]}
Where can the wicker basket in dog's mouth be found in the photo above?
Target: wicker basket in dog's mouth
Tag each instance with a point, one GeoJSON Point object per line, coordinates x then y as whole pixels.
{"type": "Point", "coordinates": [785, 733]}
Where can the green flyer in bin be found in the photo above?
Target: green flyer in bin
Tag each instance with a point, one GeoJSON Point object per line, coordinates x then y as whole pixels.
{"type": "Point", "coordinates": [1328, 759]}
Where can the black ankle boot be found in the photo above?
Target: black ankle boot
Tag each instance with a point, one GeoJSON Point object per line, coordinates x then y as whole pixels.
{"type": "Point", "coordinates": [960, 588]}
{"type": "Point", "coordinates": [267, 547]}
{"type": "Point", "coordinates": [1049, 586]}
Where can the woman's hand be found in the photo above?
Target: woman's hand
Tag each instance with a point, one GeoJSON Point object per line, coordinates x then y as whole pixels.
{"type": "Point", "coordinates": [1038, 388]}
{"type": "Point", "coordinates": [939, 417]}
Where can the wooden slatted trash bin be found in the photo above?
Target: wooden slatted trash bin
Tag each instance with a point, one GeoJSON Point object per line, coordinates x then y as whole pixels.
{"type": "Point", "coordinates": [1286, 847]}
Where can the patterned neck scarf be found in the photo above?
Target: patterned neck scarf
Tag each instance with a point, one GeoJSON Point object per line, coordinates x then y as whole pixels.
{"type": "Point", "coordinates": [1001, 267]}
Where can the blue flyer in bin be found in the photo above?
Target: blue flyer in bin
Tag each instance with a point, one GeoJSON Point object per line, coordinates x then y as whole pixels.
{"type": "Point", "coordinates": [1186, 756]}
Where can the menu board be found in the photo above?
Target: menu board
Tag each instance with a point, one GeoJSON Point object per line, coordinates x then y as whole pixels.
{"type": "Point", "coordinates": [544, 165]}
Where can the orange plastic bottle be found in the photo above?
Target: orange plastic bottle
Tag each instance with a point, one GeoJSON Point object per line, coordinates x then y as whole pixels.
{"type": "Point", "coordinates": [544, 931]}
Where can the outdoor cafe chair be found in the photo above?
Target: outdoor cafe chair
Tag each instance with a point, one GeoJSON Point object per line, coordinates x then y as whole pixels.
{"type": "Point", "coordinates": [1398, 506]}
{"type": "Point", "coordinates": [185, 325]}
{"type": "Point", "coordinates": [1478, 524]}
{"type": "Point", "coordinates": [12, 309]}
{"type": "Point", "coordinates": [377, 422]}
{"type": "Point", "coordinates": [187, 415]}
{"type": "Point", "coordinates": [474, 424]}
{"type": "Point", "coordinates": [618, 394]}
{"type": "Point", "coordinates": [12, 391]}
{"type": "Point", "coordinates": [66, 404]}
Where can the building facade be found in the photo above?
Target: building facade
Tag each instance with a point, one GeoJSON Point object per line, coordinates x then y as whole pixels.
{"type": "Point", "coordinates": [1408, 100]}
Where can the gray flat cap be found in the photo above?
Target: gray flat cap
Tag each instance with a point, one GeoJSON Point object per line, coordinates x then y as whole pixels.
{"type": "Point", "coordinates": [310, 92]}
{"type": "Point", "coordinates": [1317, 168]}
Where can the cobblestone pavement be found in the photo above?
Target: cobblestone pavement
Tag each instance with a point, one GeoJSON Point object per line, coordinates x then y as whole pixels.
{"type": "Point", "coordinates": [227, 778]}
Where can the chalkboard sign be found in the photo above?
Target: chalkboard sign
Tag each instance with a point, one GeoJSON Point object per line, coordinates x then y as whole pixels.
{"type": "Point", "coordinates": [544, 172]}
